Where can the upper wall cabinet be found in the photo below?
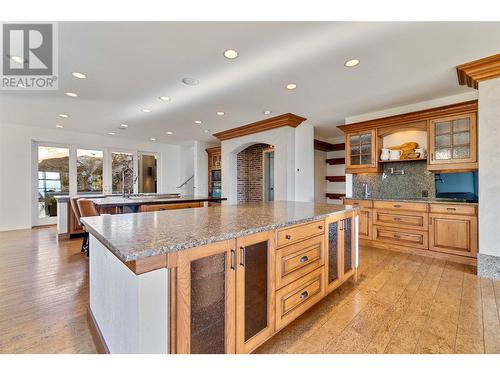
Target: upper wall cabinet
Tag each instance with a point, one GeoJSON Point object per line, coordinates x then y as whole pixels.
{"type": "Point", "coordinates": [361, 152]}
{"type": "Point", "coordinates": [453, 142]}
{"type": "Point", "coordinates": [451, 138]}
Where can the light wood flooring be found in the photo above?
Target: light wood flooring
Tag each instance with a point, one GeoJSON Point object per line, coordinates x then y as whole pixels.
{"type": "Point", "coordinates": [401, 304]}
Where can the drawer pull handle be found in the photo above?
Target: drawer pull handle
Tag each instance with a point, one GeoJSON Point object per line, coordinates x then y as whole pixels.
{"type": "Point", "coordinates": [397, 205]}
{"type": "Point", "coordinates": [397, 219]}
{"type": "Point", "coordinates": [304, 259]}
{"type": "Point", "coordinates": [288, 237]}
{"type": "Point", "coordinates": [451, 209]}
{"type": "Point", "coordinates": [304, 295]}
{"type": "Point", "coordinates": [233, 259]}
{"type": "Point", "coordinates": [320, 227]}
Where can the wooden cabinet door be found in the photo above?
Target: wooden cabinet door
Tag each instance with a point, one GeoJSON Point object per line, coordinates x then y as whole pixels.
{"type": "Point", "coordinates": [365, 224]}
{"type": "Point", "coordinates": [333, 256]}
{"type": "Point", "coordinates": [361, 152]}
{"type": "Point", "coordinates": [205, 299]}
{"type": "Point", "coordinates": [348, 236]}
{"type": "Point", "coordinates": [453, 234]}
{"type": "Point", "coordinates": [453, 140]}
{"type": "Point", "coordinates": [255, 290]}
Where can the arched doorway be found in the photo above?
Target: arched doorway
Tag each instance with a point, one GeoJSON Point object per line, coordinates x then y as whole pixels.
{"type": "Point", "coordinates": [255, 173]}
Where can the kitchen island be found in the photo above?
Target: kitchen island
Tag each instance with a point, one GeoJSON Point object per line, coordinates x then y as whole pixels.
{"type": "Point", "coordinates": [67, 224]}
{"type": "Point", "coordinates": [215, 279]}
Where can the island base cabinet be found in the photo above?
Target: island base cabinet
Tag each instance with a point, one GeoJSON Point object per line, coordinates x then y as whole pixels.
{"type": "Point", "coordinates": [205, 296]}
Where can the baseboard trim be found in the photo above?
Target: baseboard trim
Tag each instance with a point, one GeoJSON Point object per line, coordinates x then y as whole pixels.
{"type": "Point", "coordinates": [423, 252]}
{"type": "Point", "coordinates": [96, 333]}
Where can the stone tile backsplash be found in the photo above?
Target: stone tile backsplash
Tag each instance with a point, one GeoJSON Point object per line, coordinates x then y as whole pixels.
{"type": "Point", "coordinates": [410, 185]}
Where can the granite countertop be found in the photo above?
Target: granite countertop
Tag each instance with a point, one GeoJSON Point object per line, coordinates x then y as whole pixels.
{"type": "Point", "coordinates": [134, 236]}
{"type": "Point", "coordinates": [420, 200]}
{"type": "Point", "coordinates": [138, 200]}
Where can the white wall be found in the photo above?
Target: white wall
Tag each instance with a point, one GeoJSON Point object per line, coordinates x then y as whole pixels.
{"type": "Point", "coordinates": [304, 163]}
{"type": "Point", "coordinates": [293, 162]}
{"type": "Point", "coordinates": [319, 176]}
{"type": "Point", "coordinates": [16, 167]}
{"type": "Point", "coordinates": [489, 171]}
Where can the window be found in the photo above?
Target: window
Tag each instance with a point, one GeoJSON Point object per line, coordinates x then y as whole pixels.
{"type": "Point", "coordinates": [122, 169]}
{"type": "Point", "coordinates": [53, 178]}
{"type": "Point", "coordinates": [89, 170]}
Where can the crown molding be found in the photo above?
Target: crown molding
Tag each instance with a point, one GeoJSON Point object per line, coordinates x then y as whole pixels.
{"type": "Point", "coordinates": [473, 72]}
{"type": "Point", "coordinates": [287, 119]}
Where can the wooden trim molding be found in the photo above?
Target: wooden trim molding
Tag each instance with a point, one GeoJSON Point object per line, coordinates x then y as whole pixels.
{"type": "Point", "coordinates": [473, 72]}
{"type": "Point", "coordinates": [287, 119]}
{"type": "Point", "coordinates": [425, 114]}
{"type": "Point", "coordinates": [213, 149]}
{"type": "Point", "coordinates": [96, 333]}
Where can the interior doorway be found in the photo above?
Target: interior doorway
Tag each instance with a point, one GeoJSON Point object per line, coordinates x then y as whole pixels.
{"type": "Point", "coordinates": [268, 157]}
{"type": "Point", "coordinates": [147, 173]}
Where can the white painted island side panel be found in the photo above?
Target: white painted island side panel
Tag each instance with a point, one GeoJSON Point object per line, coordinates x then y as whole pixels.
{"type": "Point", "coordinates": [130, 310]}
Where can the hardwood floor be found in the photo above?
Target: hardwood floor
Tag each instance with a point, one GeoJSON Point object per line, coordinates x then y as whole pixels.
{"type": "Point", "coordinates": [401, 304]}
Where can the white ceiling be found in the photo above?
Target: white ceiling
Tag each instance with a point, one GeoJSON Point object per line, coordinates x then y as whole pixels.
{"type": "Point", "coordinates": [130, 64]}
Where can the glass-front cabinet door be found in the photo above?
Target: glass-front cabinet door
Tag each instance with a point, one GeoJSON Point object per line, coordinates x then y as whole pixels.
{"type": "Point", "coordinates": [361, 151]}
{"type": "Point", "coordinates": [453, 140]}
{"type": "Point", "coordinates": [255, 291]}
{"type": "Point", "coordinates": [205, 299]}
{"type": "Point", "coordinates": [341, 261]}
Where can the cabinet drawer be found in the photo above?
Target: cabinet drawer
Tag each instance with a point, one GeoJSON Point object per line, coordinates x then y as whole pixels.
{"type": "Point", "coordinates": [453, 234]}
{"type": "Point", "coordinates": [403, 219]}
{"type": "Point", "coordinates": [297, 297]}
{"type": "Point", "coordinates": [300, 232]}
{"type": "Point", "coordinates": [405, 206]}
{"type": "Point", "coordinates": [295, 261]}
{"type": "Point", "coordinates": [359, 202]}
{"type": "Point", "coordinates": [166, 207]}
{"type": "Point", "coordinates": [405, 237]}
{"type": "Point", "coordinates": [458, 209]}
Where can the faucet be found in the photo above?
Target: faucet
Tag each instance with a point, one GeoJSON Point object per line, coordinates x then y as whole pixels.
{"type": "Point", "coordinates": [367, 193]}
{"type": "Point", "coordinates": [124, 172]}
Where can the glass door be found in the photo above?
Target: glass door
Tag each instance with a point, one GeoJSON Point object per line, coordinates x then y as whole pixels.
{"type": "Point", "coordinates": [453, 140]}
{"type": "Point", "coordinates": [52, 180]}
{"type": "Point", "coordinates": [147, 173]}
{"type": "Point", "coordinates": [205, 299]}
{"type": "Point", "coordinates": [254, 291]}
{"type": "Point", "coordinates": [333, 256]}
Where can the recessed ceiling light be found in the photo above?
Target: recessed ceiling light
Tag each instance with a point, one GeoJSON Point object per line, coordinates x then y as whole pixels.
{"type": "Point", "coordinates": [164, 98]}
{"type": "Point", "coordinates": [146, 110]}
{"type": "Point", "coordinates": [72, 94]}
{"type": "Point", "coordinates": [190, 81]}
{"type": "Point", "coordinates": [291, 86]}
{"type": "Point", "coordinates": [220, 113]}
{"type": "Point", "coordinates": [197, 122]}
{"type": "Point", "coordinates": [170, 133]}
{"type": "Point", "coordinates": [152, 139]}
{"type": "Point", "coordinates": [124, 126]}
{"type": "Point", "coordinates": [267, 112]}
{"type": "Point", "coordinates": [63, 115]}
{"type": "Point", "coordinates": [230, 54]}
{"type": "Point", "coordinates": [351, 63]}
{"type": "Point", "coordinates": [111, 133]}
{"type": "Point", "coordinates": [59, 126]}
{"type": "Point", "coordinates": [79, 75]}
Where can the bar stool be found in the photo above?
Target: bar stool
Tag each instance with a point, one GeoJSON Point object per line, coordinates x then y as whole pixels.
{"type": "Point", "coordinates": [76, 212]}
{"type": "Point", "coordinates": [86, 208]}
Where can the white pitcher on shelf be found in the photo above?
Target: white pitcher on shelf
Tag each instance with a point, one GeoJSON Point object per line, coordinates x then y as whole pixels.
{"type": "Point", "coordinates": [385, 154]}
{"type": "Point", "coordinates": [395, 154]}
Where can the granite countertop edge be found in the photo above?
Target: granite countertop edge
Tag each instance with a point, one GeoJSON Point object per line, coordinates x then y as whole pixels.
{"type": "Point", "coordinates": [414, 200]}
{"type": "Point", "coordinates": [137, 255]}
